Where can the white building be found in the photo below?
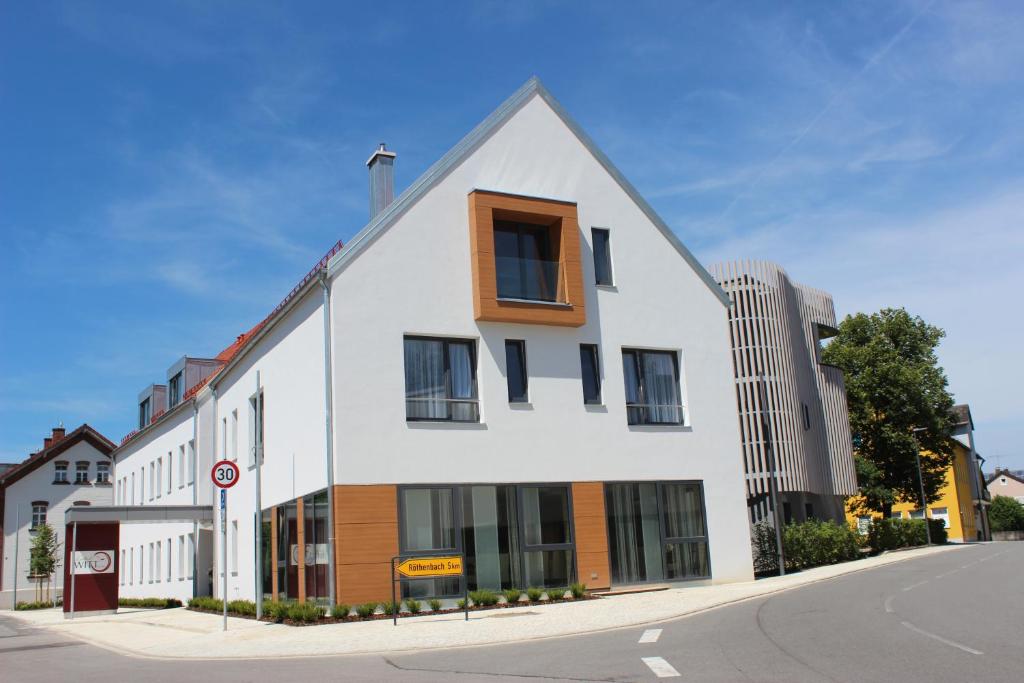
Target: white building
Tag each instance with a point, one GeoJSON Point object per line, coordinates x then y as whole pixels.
{"type": "Point", "coordinates": [71, 469]}
{"type": "Point", "coordinates": [525, 366]}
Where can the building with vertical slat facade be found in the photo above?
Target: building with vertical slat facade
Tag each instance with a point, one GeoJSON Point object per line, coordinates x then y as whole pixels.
{"type": "Point", "coordinates": [776, 328]}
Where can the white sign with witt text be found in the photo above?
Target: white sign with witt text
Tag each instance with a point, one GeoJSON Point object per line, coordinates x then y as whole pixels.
{"type": "Point", "coordinates": [94, 562]}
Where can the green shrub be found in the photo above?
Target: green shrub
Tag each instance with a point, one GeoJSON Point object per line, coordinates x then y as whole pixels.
{"type": "Point", "coordinates": [366, 610]}
{"type": "Point", "coordinates": [483, 597]}
{"type": "Point", "coordinates": [155, 603]}
{"type": "Point", "coordinates": [24, 606]}
{"type": "Point", "coordinates": [555, 593]}
{"type": "Point", "coordinates": [390, 608]}
{"type": "Point", "coordinates": [340, 611]}
{"type": "Point", "coordinates": [461, 604]}
{"type": "Point", "coordinates": [534, 594]}
{"type": "Point", "coordinates": [512, 595]}
{"type": "Point", "coordinates": [765, 549]}
{"type": "Point", "coordinates": [892, 533]}
{"type": "Point", "coordinates": [206, 603]}
{"type": "Point", "coordinates": [578, 590]}
{"type": "Point", "coordinates": [244, 608]}
{"type": "Point", "coordinates": [938, 529]}
{"type": "Point", "coordinates": [305, 612]}
{"type": "Point", "coordinates": [276, 611]}
{"type": "Point", "coordinates": [414, 606]}
{"type": "Point", "coordinates": [1006, 514]}
{"type": "Point", "coordinates": [435, 605]}
{"type": "Point", "coordinates": [815, 543]}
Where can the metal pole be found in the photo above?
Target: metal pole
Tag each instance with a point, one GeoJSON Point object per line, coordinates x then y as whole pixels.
{"type": "Point", "coordinates": [74, 546]}
{"type": "Point", "coordinates": [224, 552]}
{"type": "Point", "coordinates": [195, 495]}
{"type": "Point", "coordinates": [17, 538]}
{"type": "Point", "coordinates": [394, 615]}
{"type": "Point", "coordinates": [329, 441]}
{"type": "Point", "coordinates": [773, 483]}
{"type": "Point", "coordinates": [258, 446]}
{"type": "Point", "coordinates": [924, 503]}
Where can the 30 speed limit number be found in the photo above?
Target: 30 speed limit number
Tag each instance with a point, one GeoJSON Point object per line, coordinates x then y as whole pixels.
{"type": "Point", "coordinates": [224, 474]}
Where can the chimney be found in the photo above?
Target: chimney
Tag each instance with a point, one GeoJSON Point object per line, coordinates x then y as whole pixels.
{"type": "Point", "coordinates": [382, 179]}
{"type": "Point", "coordinates": [47, 442]}
{"type": "Point", "coordinates": [58, 433]}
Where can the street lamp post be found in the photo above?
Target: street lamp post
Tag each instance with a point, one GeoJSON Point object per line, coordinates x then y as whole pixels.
{"type": "Point", "coordinates": [924, 502]}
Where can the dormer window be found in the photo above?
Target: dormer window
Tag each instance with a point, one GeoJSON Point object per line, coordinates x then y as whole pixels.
{"type": "Point", "coordinates": [145, 412]}
{"type": "Point", "coordinates": [60, 472]}
{"type": "Point", "coordinates": [523, 263]}
{"type": "Point", "coordinates": [174, 390]}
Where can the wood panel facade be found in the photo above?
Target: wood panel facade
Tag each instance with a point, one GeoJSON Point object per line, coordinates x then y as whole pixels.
{"type": "Point", "coordinates": [484, 209]}
{"type": "Point", "coordinates": [590, 521]}
{"type": "Point", "coordinates": [366, 533]}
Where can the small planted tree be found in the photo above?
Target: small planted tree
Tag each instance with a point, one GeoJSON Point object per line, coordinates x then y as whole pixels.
{"type": "Point", "coordinates": [1006, 514]}
{"type": "Point", "coordinates": [43, 559]}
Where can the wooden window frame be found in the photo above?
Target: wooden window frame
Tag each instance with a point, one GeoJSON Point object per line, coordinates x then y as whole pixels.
{"type": "Point", "coordinates": [561, 218]}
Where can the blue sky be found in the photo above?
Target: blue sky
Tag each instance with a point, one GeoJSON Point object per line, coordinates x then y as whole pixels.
{"type": "Point", "coordinates": [170, 170]}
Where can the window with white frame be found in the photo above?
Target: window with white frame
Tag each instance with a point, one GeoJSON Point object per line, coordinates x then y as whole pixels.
{"type": "Point", "coordinates": [60, 472]}
{"type": "Point", "coordinates": [234, 435]}
{"type": "Point", "coordinates": [152, 478]}
{"type": "Point", "coordinates": [256, 442]}
{"type": "Point", "coordinates": [168, 560]}
{"type": "Point", "coordinates": [224, 438]}
{"type": "Point", "coordinates": [155, 570]}
{"type": "Point", "coordinates": [159, 477]}
{"type": "Point", "coordinates": [191, 559]}
{"type": "Point", "coordinates": [191, 462]}
{"type": "Point", "coordinates": [133, 489]}
{"type": "Point", "coordinates": [39, 513]}
{"type": "Point", "coordinates": [103, 473]}
{"type": "Point", "coordinates": [181, 557]}
{"type": "Point", "coordinates": [82, 472]}
{"type": "Point", "coordinates": [653, 396]}
{"type": "Point", "coordinates": [181, 466]}
{"type": "Point", "coordinates": [121, 568]}
{"type": "Point", "coordinates": [170, 470]}
{"type": "Point", "coordinates": [131, 565]}
{"type": "Point", "coordinates": [234, 547]}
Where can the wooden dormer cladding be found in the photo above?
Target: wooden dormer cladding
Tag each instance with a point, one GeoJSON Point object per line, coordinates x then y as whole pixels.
{"type": "Point", "coordinates": [568, 308]}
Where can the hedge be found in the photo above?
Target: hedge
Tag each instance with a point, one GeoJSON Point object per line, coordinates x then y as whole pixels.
{"type": "Point", "coordinates": [44, 604]}
{"type": "Point", "coordinates": [155, 603]}
{"type": "Point", "coordinates": [892, 533]}
{"type": "Point", "coordinates": [815, 543]}
{"type": "Point", "coordinates": [1006, 514]}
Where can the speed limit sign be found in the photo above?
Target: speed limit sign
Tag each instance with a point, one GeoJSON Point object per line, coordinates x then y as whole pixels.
{"type": "Point", "coordinates": [224, 474]}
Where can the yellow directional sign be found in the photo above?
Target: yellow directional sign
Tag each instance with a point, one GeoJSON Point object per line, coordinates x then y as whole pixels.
{"type": "Point", "coordinates": [430, 566]}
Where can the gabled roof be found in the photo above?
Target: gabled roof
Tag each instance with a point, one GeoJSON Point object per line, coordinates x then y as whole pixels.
{"type": "Point", "coordinates": [465, 147]}
{"type": "Point", "coordinates": [1004, 473]}
{"type": "Point", "coordinates": [40, 458]}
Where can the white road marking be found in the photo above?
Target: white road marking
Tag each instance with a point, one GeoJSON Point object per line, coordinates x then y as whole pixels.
{"type": "Point", "coordinates": [912, 587]}
{"type": "Point", "coordinates": [651, 635]}
{"type": "Point", "coordinates": [888, 604]}
{"type": "Point", "coordinates": [944, 641]}
{"type": "Point", "coordinates": [660, 667]}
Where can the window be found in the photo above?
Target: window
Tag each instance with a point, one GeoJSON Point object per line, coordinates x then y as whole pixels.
{"type": "Point", "coordinates": [896, 515]}
{"type": "Point", "coordinates": [686, 542]}
{"type": "Point", "coordinates": [39, 513]}
{"type": "Point", "coordinates": [103, 473]}
{"type": "Point", "coordinates": [440, 380]}
{"type": "Point", "coordinates": [170, 470]}
{"type": "Point", "coordinates": [943, 514]}
{"type": "Point", "coordinates": [151, 553]}
{"type": "Point", "coordinates": [152, 478]}
{"type": "Point", "coordinates": [256, 442]}
{"type": "Point", "coordinates": [155, 570]}
{"type": "Point", "coordinates": [145, 412]}
{"type": "Point", "coordinates": [523, 262]}
{"type": "Point", "coordinates": [131, 565]}
{"type": "Point", "coordinates": [807, 416]}
{"type": "Point", "coordinates": [82, 472]}
{"type": "Point", "coordinates": [917, 514]}
{"type": "Point", "coordinates": [428, 520]}
{"type": "Point", "coordinates": [181, 557]}
{"type": "Point", "coordinates": [547, 543]}
{"type": "Point", "coordinates": [121, 569]}
{"type": "Point", "coordinates": [181, 466]}
{"type": "Point", "coordinates": [234, 547]}
{"type": "Point", "coordinates": [808, 511]}
{"type": "Point", "coordinates": [515, 368]}
{"type": "Point", "coordinates": [191, 560]}
{"type": "Point", "coordinates": [652, 387]}
{"type": "Point", "coordinates": [159, 477]}
{"type": "Point", "coordinates": [133, 489]}
{"type": "Point", "coordinates": [60, 473]}
{"type": "Point", "coordinates": [224, 438]}
{"type": "Point", "coordinates": [168, 560]}
{"type": "Point", "coordinates": [174, 390]}
{"type": "Point", "coordinates": [590, 371]}
{"type": "Point", "coordinates": [191, 461]}
{"type": "Point", "coordinates": [234, 436]}
{"type": "Point", "coordinates": [602, 256]}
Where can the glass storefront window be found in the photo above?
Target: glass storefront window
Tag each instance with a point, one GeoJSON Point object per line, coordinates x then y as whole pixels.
{"type": "Point", "coordinates": [545, 515]}
{"type": "Point", "coordinates": [314, 512]}
{"type": "Point", "coordinates": [266, 540]}
{"type": "Point", "coordinates": [490, 537]}
{"type": "Point", "coordinates": [686, 547]}
{"type": "Point", "coordinates": [428, 520]}
{"type": "Point", "coordinates": [548, 568]}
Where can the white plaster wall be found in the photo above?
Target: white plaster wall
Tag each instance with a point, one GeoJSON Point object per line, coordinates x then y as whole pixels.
{"type": "Point", "coordinates": [39, 486]}
{"type": "Point", "coordinates": [416, 279]}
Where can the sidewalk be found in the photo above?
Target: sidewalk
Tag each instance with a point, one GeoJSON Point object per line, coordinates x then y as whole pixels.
{"type": "Point", "coordinates": [180, 634]}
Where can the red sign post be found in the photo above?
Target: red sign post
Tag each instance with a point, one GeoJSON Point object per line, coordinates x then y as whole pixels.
{"type": "Point", "coordinates": [224, 475]}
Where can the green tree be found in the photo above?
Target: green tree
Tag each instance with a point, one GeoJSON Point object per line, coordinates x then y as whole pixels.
{"type": "Point", "coordinates": [1006, 514]}
{"type": "Point", "coordinates": [899, 405]}
{"type": "Point", "coordinates": [42, 556]}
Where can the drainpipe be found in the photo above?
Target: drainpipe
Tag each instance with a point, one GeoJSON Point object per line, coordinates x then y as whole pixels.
{"type": "Point", "coordinates": [195, 495]}
{"type": "Point", "coordinates": [329, 439]}
{"type": "Point", "coordinates": [213, 500]}
{"type": "Point", "coordinates": [258, 458]}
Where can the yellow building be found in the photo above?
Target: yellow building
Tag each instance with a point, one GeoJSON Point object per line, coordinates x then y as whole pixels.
{"type": "Point", "coordinates": [955, 505]}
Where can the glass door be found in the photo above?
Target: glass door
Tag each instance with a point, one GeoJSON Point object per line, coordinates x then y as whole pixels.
{"type": "Point", "coordinates": [634, 532]}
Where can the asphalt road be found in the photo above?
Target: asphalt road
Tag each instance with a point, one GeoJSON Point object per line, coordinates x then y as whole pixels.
{"type": "Point", "coordinates": [956, 616]}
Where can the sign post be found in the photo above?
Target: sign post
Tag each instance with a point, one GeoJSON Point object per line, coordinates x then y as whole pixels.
{"type": "Point", "coordinates": [224, 475]}
{"type": "Point", "coordinates": [428, 568]}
